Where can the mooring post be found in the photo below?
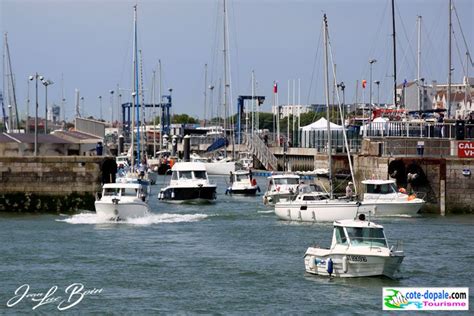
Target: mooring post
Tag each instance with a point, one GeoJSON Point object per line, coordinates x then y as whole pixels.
{"type": "Point", "coordinates": [442, 197]}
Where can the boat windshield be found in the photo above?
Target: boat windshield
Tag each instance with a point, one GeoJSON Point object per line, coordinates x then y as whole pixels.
{"type": "Point", "coordinates": [111, 191]}
{"type": "Point", "coordinates": [381, 188]}
{"type": "Point", "coordinates": [280, 181]}
{"type": "Point", "coordinates": [174, 176]}
{"type": "Point", "coordinates": [186, 175]}
{"type": "Point", "coordinates": [200, 175]}
{"type": "Point", "coordinates": [129, 192]}
{"type": "Point", "coordinates": [373, 237]}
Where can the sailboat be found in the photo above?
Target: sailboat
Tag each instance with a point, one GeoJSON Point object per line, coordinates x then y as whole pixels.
{"type": "Point", "coordinates": [128, 197]}
{"type": "Point", "coordinates": [321, 209]}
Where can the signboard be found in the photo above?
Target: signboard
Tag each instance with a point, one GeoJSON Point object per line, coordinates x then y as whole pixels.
{"type": "Point", "coordinates": [466, 149]}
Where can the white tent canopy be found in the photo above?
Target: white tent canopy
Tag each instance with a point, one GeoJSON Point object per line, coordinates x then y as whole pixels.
{"type": "Point", "coordinates": [321, 124]}
{"type": "Point", "coordinates": [378, 124]}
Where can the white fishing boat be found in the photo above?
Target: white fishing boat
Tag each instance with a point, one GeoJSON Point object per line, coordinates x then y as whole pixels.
{"type": "Point", "coordinates": [281, 187]}
{"type": "Point", "coordinates": [387, 200]}
{"type": "Point", "coordinates": [242, 182]}
{"type": "Point", "coordinates": [123, 200]}
{"type": "Point", "coordinates": [189, 183]}
{"type": "Point", "coordinates": [359, 248]}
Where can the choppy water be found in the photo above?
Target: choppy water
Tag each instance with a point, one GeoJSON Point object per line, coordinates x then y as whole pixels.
{"type": "Point", "coordinates": [233, 256]}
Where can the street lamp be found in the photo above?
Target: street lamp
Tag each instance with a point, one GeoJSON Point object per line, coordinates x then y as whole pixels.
{"type": "Point", "coordinates": [111, 107]}
{"type": "Point", "coordinates": [100, 107]}
{"type": "Point", "coordinates": [36, 77]}
{"type": "Point", "coordinates": [46, 83]}
{"type": "Point", "coordinates": [371, 62]}
{"type": "Point", "coordinates": [343, 87]}
{"type": "Point", "coordinates": [377, 82]}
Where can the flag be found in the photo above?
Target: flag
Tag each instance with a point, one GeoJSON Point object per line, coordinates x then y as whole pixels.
{"type": "Point", "coordinates": [275, 87]}
{"type": "Point", "coordinates": [364, 83]}
{"type": "Point", "coordinates": [405, 83]}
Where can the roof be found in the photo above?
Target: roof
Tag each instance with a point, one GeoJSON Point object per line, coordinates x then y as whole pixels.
{"type": "Point", "coordinates": [241, 172]}
{"type": "Point", "coordinates": [189, 166]}
{"type": "Point", "coordinates": [286, 175]}
{"type": "Point", "coordinates": [321, 124]}
{"type": "Point", "coordinates": [77, 137]}
{"type": "Point", "coordinates": [30, 138]}
{"type": "Point", "coordinates": [378, 181]}
{"type": "Point", "coordinates": [127, 185]}
{"type": "Point", "coordinates": [356, 223]}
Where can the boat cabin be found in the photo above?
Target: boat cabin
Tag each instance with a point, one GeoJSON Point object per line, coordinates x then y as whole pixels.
{"type": "Point", "coordinates": [380, 186]}
{"type": "Point", "coordinates": [189, 171]}
{"type": "Point", "coordinates": [358, 233]}
{"type": "Point", "coordinates": [283, 182]}
{"type": "Point", "coordinates": [124, 189]}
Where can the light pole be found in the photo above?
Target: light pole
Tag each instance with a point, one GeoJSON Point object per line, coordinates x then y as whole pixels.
{"type": "Point", "coordinates": [371, 62]}
{"type": "Point", "coordinates": [36, 77]}
{"type": "Point", "coordinates": [46, 83]}
{"type": "Point", "coordinates": [343, 87]}
{"type": "Point", "coordinates": [111, 107]}
{"type": "Point", "coordinates": [27, 127]}
{"type": "Point", "coordinates": [377, 82]}
{"type": "Point", "coordinates": [100, 107]}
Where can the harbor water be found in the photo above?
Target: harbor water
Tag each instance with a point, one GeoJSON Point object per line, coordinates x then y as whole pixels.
{"type": "Point", "coordinates": [232, 256]}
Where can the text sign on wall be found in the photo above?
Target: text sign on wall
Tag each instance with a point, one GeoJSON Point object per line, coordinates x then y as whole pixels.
{"type": "Point", "coordinates": [466, 149]}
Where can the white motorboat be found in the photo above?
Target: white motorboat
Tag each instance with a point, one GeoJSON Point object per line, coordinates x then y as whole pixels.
{"type": "Point", "coordinates": [242, 182]}
{"type": "Point", "coordinates": [281, 187]}
{"type": "Point", "coordinates": [221, 166]}
{"type": "Point", "coordinates": [359, 248]}
{"type": "Point", "coordinates": [189, 183]}
{"type": "Point", "coordinates": [387, 200]}
{"type": "Point", "coordinates": [123, 200]}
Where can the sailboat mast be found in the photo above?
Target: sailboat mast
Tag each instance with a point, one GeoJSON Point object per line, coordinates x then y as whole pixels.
{"type": "Point", "coordinates": [418, 77]}
{"type": "Point", "coordinates": [225, 74]}
{"type": "Point", "coordinates": [135, 75]}
{"type": "Point", "coordinates": [154, 114]}
{"type": "Point", "coordinates": [15, 122]}
{"type": "Point", "coordinates": [326, 80]}
{"type": "Point", "coordinates": [448, 95]}
{"type": "Point", "coordinates": [205, 95]}
{"type": "Point", "coordinates": [394, 57]}
{"type": "Point", "coordinates": [160, 98]}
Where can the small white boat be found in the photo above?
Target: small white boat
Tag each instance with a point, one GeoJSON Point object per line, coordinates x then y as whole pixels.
{"type": "Point", "coordinates": [281, 187]}
{"type": "Point", "coordinates": [359, 248]}
{"type": "Point", "coordinates": [243, 183]}
{"type": "Point", "coordinates": [189, 183]}
{"type": "Point", "coordinates": [123, 200]}
{"type": "Point", "coordinates": [386, 200]}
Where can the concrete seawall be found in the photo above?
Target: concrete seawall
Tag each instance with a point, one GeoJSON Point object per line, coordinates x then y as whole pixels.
{"type": "Point", "coordinates": [53, 184]}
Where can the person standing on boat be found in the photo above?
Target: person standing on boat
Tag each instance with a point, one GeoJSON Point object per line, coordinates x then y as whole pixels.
{"type": "Point", "coordinates": [349, 192]}
{"type": "Point", "coordinates": [231, 178]}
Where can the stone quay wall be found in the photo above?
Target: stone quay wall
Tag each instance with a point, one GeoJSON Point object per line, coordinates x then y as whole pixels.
{"type": "Point", "coordinates": [52, 184]}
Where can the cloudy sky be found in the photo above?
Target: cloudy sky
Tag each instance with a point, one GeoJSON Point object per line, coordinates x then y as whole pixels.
{"type": "Point", "coordinates": [89, 44]}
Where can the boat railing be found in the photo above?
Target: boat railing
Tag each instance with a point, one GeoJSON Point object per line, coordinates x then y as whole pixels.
{"type": "Point", "coordinates": [398, 247]}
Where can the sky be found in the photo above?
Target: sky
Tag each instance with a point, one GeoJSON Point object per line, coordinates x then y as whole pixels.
{"type": "Point", "coordinates": [87, 45]}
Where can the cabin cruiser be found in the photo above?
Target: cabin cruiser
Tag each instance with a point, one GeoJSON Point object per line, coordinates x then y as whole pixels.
{"type": "Point", "coordinates": [242, 182]}
{"type": "Point", "coordinates": [189, 183]}
{"type": "Point", "coordinates": [359, 248]}
{"type": "Point", "coordinates": [387, 200]}
{"type": "Point", "coordinates": [127, 199]}
{"type": "Point", "coordinates": [281, 187]}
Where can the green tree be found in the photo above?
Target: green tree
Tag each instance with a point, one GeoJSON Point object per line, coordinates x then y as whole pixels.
{"type": "Point", "coordinates": [183, 119]}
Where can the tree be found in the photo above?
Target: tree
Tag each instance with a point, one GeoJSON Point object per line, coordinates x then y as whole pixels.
{"type": "Point", "coordinates": [183, 119]}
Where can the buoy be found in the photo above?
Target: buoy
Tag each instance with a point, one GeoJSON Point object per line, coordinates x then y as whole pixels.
{"type": "Point", "coordinates": [330, 266]}
{"type": "Point", "coordinates": [344, 264]}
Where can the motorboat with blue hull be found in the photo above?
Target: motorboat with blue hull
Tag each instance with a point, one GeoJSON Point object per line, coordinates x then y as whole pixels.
{"type": "Point", "coordinates": [189, 184]}
{"type": "Point", "coordinates": [359, 248]}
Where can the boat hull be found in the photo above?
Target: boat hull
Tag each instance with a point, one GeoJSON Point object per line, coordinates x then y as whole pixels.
{"type": "Point", "coordinates": [194, 193]}
{"type": "Point", "coordinates": [381, 208]}
{"type": "Point", "coordinates": [121, 210]}
{"type": "Point", "coordinates": [248, 191]}
{"type": "Point", "coordinates": [326, 211]}
{"type": "Point", "coordinates": [273, 198]}
{"type": "Point", "coordinates": [353, 265]}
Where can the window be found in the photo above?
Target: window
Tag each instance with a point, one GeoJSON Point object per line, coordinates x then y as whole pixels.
{"type": "Point", "coordinates": [174, 176]}
{"type": "Point", "coordinates": [111, 191]}
{"type": "Point", "coordinates": [366, 236]}
{"type": "Point", "coordinates": [200, 174]}
{"type": "Point", "coordinates": [279, 181]}
{"type": "Point", "coordinates": [185, 175]}
{"type": "Point", "coordinates": [340, 236]}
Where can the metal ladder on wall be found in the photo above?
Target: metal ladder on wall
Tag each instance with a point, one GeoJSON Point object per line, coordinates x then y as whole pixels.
{"type": "Point", "coordinates": [258, 148]}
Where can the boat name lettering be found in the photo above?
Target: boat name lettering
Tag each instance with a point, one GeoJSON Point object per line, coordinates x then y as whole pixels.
{"type": "Point", "coordinates": [357, 258]}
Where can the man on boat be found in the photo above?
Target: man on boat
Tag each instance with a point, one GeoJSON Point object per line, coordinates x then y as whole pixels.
{"type": "Point", "coordinates": [349, 192]}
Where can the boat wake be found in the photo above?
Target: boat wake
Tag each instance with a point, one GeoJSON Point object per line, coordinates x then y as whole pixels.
{"type": "Point", "coordinates": [165, 218]}
{"type": "Point", "coordinates": [266, 212]}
